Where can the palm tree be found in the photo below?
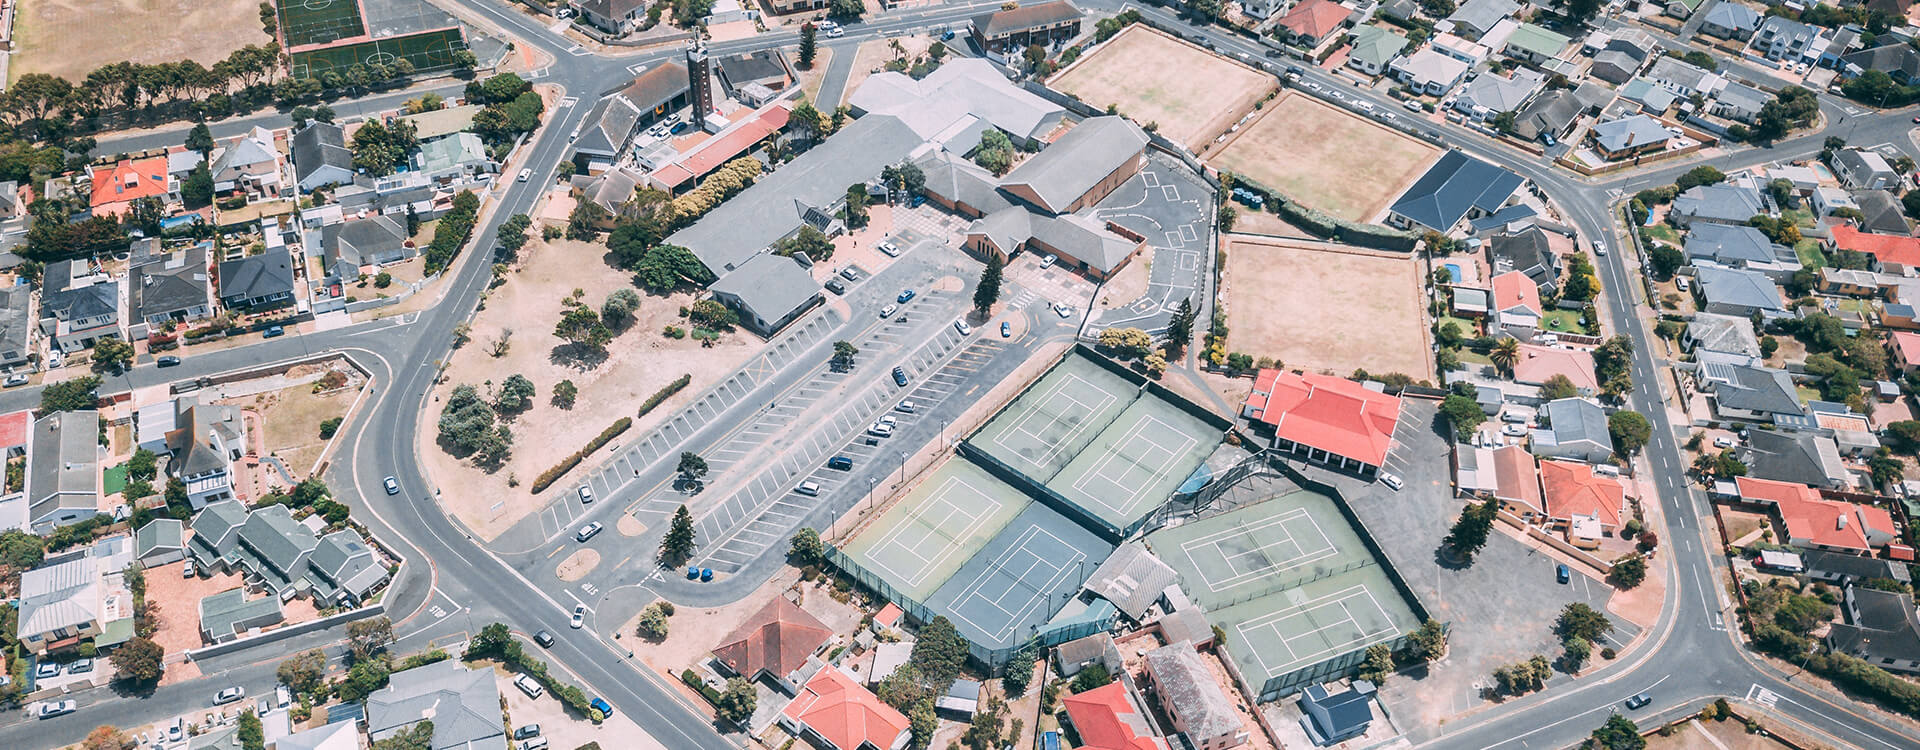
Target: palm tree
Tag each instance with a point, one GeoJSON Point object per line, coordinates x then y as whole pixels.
{"type": "Point", "coordinates": [1505, 353]}
{"type": "Point", "coordinates": [898, 50]}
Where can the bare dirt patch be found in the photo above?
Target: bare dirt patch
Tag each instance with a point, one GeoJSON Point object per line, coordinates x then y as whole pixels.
{"type": "Point", "coordinates": [577, 565]}
{"type": "Point", "coordinates": [1324, 157]}
{"type": "Point", "coordinates": [872, 57]}
{"type": "Point", "coordinates": [70, 38]}
{"type": "Point", "coordinates": [1725, 735]}
{"type": "Point", "coordinates": [629, 526]}
{"type": "Point", "coordinates": [1128, 285]}
{"type": "Point", "coordinates": [1319, 308]}
{"type": "Point", "coordinates": [177, 626]}
{"type": "Point", "coordinates": [693, 632]}
{"type": "Point", "coordinates": [640, 360]}
{"type": "Point", "coordinates": [811, 78]}
{"type": "Point", "coordinates": [291, 419]}
{"type": "Point", "coordinates": [1191, 94]}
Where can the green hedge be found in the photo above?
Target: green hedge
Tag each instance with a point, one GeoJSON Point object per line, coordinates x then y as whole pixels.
{"type": "Point", "coordinates": [548, 477]}
{"type": "Point", "coordinates": [700, 686]}
{"type": "Point", "coordinates": [1330, 227]}
{"type": "Point", "coordinates": [663, 394]}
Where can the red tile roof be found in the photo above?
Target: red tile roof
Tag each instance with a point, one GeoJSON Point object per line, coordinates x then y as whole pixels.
{"type": "Point", "coordinates": [1537, 363]}
{"type": "Point", "coordinates": [1907, 345]}
{"type": "Point", "coordinates": [1107, 720]}
{"type": "Point", "coordinates": [1889, 248]}
{"type": "Point", "coordinates": [1332, 414]}
{"type": "Point", "coordinates": [888, 615]}
{"type": "Point", "coordinates": [778, 639]}
{"type": "Point", "coordinates": [1900, 552]}
{"type": "Point", "coordinates": [128, 181]}
{"type": "Point", "coordinates": [1518, 477]}
{"type": "Point", "coordinates": [1513, 289]}
{"type": "Point", "coordinates": [14, 429]}
{"type": "Point", "coordinates": [845, 714]}
{"type": "Point", "coordinates": [1574, 490]}
{"type": "Point", "coordinates": [714, 152]}
{"type": "Point", "coordinates": [1315, 18]}
{"type": "Point", "coordinates": [1808, 516]}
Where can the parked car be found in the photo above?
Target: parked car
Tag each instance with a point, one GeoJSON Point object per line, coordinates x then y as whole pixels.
{"type": "Point", "coordinates": [47, 669]}
{"type": "Point", "coordinates": [586, 495]}
{"type": "Point", "coordinates": [849, 274]}
{"type": "Point", "coordinates": [840, 463]}
{"type": "Point", "coordinates": [887, 312]}
{"type": "Point", "coordinates": [80, 666]}
{"type": "Point", "coordinates": [900, 378]}
{"type": "Point", "coordinates": [530, 686]}
{"type": "Point", "coordinates": [530, 730]}
{"type": "Point", "coordinates": [51, 709]}
{"type": "Point", "coordinates": [906, 407]}
{"type": "Point", "coordinates": [1514, 430]}
{"type": "Point", "coordinates": [544, 638]}
{"type": "Point", "coordinates": [16, 380]}
{"type": "Point", "coordinates": [177, 730]}
{"type": "Point", "coordinates": [905, 295]}
{"type": "Point", "coordinates": [1061, 309]}
{"type": "Point", "coordinates": [807, 488]}
{"type": "Point", "coordinates": [274, 332]}
{"type": "Point", "coordinates": [963, 328]}
{"type": "Point", "coordinates": [891, 250]}
{"type": "Point", "coordinates": [1047, 261]}
{"type": "Point", "coordinates": [586, 532]}
{"type": "Point", "coordinates": [579, 617]}
{"type": "Point", "coordinates": [1639, 700]}
{"type": "Point", "coordinates": [282, 697]}
{"type": "Point", "coordinates": [1723, 442]}
{"type": "Point", "coordinates": [392, 485]}
{"type": "Point", "coordinates": [601, 705]}
{"type": "Point", "coordinates": [880, 430]}
{"type": "Point", "coordinates": [1562, 573]}
{"type": "Point", "coordinates": [167, 361]}
{"type": "Point", "coordinates": [187, 570]}
{"type": "Point", "coordinates": [836, 286]}
{"type": "Point", "coordinates": [229, 695]}
{"type": "Point", "coordinates": [1392, 482]}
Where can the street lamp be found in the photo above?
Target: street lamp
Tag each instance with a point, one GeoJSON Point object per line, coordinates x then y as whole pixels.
{"type": "Point", "coordinates": [871, 481]}
{"type": "Point", "coordinates": [902, 475]}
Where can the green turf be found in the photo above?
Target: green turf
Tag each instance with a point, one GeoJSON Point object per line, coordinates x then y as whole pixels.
{"type": "Point", "coordinates": [427, 50]}
{"type": "Point", "coordinates": [114, 479]}
{"type": "Point", "coordinates": [1810, 254]}
{"type": "Point", "coordinates": [1563, 321]}
{"type": "Point", "coordinates": [1663, 233]}
{"type": "Point", "coordinates": [305, 22]}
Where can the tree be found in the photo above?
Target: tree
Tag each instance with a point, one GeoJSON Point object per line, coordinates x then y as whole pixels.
{"type": "Point", "coordinates": [1429, 642]}
{"type": "Point", "coordinates": [1558, 386]}
{"type": "Point", "coordinates": [200, 139]}
{"type": "Point", "coordinates": [1126, 343]}
{"type": "Point", "coordinates": [678, 543]}
{"type": "Point", "coordinates": [1886, 469]}
{"type": "Point", "coordinates": [197, 190]}
{"type": "Point", "coordinates": [939, 654]}
{"type": "Point", "coordinates": [1629, 571]}
{"type": "Point", "coordinates": [20, 550]}
{"type": "Point", "coordinates": [805, 121]}
{"type": "Point", "coordinates": [368, 637]}
{"type": "Point", "coordinates": [995, 152]}
{"type": "Point", "coordinates": [1090, 677]}
{"type": "Point", "coordinates": [846, 9]}
{"type": "Point", "coordinates": [1505, 353]}
{"type": "Point", "coordinates": [1469, 533]}
{"type": "Point", "coordinates": [1575, 653]}
{"type": "Point", "coordinates": [653, 622]}
{"type": "Point", "coordinates": [737, 701]}
{"type": "Point", "coordinates": [581, 326]}
{"type": "Point", "coordinates": [619, 307]}
{"type": "Point", "coordinates": [1577, 620]}
{"type": "Point", "coordinates": [105, 737]}
{"type": "Point", "coordinates": [111, 355]}
{"type": "Point", "coordinates": [1463, 413]}
{"type": "Point", "coordinates": [1630, 431]}
{"type": "Point", "coordinates": [1697, 176]}
{"type": "Point", "coordinates": [691, 466]}
{"type": "Point", "coordinates": [988, 292]}
{"type": "Point", "coordinates": [1020, 669]}
{"type": "Point", "coordinates": [809, 45]}
{"type": "Point", "coordinates": [808, 241]}
{"type": "Point", "coordinates": [906, 177]}
{"type": "Point", "coordinates": [922, 722]}
{"type": "Point", "coordinates": [379, 148]}
{"type": "Point", "coordinates": [805, 548]}
{"type": "Point", "coordinates": [1619, 733]}
{"type": "Point", "coordinates": [1666, 260]}
{"type": "Point", "coordinates": [904, 688]}
{"type": "Point", "coordinates": [252, 736]}
{"type": "Point", "coordinates": [583, 223]}
{"type": "Point", "coordinates": [304, 671]}
{"type": "Point", "coordinates": [664, 268]}
{"type": "Point", "coordinates": [1579, 11]}
{"type": "Point", "coordinates": [74, 394]}
{"type": "Point", "coordinates": [139, 660]}
{"type": "Point", "coordinates": [416, 737]}
{"type": "Point", "coordinates": [843, 354]}
{"type": "Point", "coordinates": [1180, 326]}
{"type": "Point", "coordinates": [564, 392]}
{"type": "Point", "coordinates": [1378, 665]}
{"type": "Point", "coordinates": [711, 313]}
{"type": "Point", "coordinates": [516, 394]}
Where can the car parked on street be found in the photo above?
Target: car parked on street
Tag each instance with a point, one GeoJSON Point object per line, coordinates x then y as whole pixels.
{"type": "Point", "coordinates": [51, 709]}
{"type": "Point", "coordinates": [229, 695]}
{"type": "Point", "coordinates": [167, 361]}
{"type": "Point", "coordinates": [1639, 700]}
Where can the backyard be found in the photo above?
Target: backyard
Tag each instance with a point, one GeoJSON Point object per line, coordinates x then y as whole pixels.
{"type": "Point", "coordinates": [1321, 309]}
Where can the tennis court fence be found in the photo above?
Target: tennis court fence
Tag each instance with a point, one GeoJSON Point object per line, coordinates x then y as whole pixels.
{"type": "Point", "coordinates": [1100, 617]}
{"type": "Point", "coordinates": [1332, 668]}
{"type": "Point", "coordinates": [1039, 491]}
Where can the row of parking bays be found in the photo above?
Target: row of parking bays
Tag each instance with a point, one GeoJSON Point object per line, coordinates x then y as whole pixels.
{"type": "Point", "coordinates": [667, 439]}
{"type": "Point", "coordinates": [746, 526]}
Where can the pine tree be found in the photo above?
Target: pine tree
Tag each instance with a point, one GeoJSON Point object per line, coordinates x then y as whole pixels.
{"type": "Point", "coordinates": [1180, 327]}
{"type": "Point", "coordinates": [989, 290]}
{"type": "Point", "coordinates": [808, 45]}
{"type": "Point", "coordinates": [1469, 533]}
{"type": "Point", "coordinates": [678, 544]}
{"type": "Point", "coordinates": [200, 139]}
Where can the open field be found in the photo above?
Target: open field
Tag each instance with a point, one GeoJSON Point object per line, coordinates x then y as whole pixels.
{"type": "Point", "coordinates": [291, 417]}
{"type": "Point", "coordinates": [1192, 94]}
{"type": "Point", "coordinates": [1324, 157]}
{"type": "Point", "coordinates": [640, 360]}
{"type": "Point", "coordinates": [70, 38]}
{"type": "Point", "coordinates": [1319, 309]}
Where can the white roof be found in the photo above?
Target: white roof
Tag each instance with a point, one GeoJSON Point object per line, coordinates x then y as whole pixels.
{"type": "Point", "coordinates": [974, 84]}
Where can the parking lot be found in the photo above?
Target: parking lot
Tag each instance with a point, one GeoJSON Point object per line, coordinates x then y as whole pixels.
{"type": "Point", "coordinates": [1173, 208]}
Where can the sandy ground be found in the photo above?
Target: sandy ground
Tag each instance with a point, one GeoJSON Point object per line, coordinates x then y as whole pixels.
{"type": "Point", "coordinates": [1128, 285]}
{"type": "Point", "coordinates": [640, 361]}
{"type": "Point", "coordinates": [1325, 310]}
{"type": "Point", "coordinates": [692, 633]}
{"type": "Point", "coordinates": [872, 58]}
{"type": "Point", "coordinates": [1324, 157]}
{"type": "Point", "coordinates": [291, 417]}
{"type": "Point", "coordinates": [1265, 222]}
{"type": "Point", "coordinates": [562, 729]}
{"type": "Point", "coordinates": [577, 565]}
{"type": "Point", "coordinates": [811, 78]}
{"type": "Point", "coordinates": [178, 624]}
{"type": "Point", "coordinates": [70, 38]}
{"type": "Point", "coordinates": [1725, 735]}
{"type": "Point", "coordinates": [1190, 93]}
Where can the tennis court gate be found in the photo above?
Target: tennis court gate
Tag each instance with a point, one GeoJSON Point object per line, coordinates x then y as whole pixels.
{"type": "Point", "coordinates": [994, 660]}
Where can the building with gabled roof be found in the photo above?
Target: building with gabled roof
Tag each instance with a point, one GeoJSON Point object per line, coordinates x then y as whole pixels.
{"type": "Point", "coordinates": [1429, 71]}
{"type": "Point", "coordinates": [1191, 696]}
{"type": "Point", "coordinates": [1314, 21]}
{"type": "Point", "coordinates": [1574, 490]}
{"type": "Point", "coordinates": [1747, 391]}
{"type": "Point", "coordinates": [1535, 44]}
{"type": "Point", "coordinates": [1881, 628]}
{"type": "Point", "coordinates": [63, 470]}
{"type": "Point", "coordinates": [1488, 95]}
{"type": "Point", "coordinates": [60, 602]}
{"type": "Point", "coordinates": [1076, 241]}
{"type": "Point", "coordinates": [1516, 305]}
{"type": "Point", "coordinates": [1882, 213]}
{"type": "Point", "coordinates": [1476, 17]}
{"type": "Point", "coordinates": [1722, 333]}
{"type": "Point", "coordinates": [1132, 578]}
{"type": "Point", "coordinates": [227, 615]}
{"type": "Point", "coordinates": [1456, 187]}
{"type": "Point", "coordinates": [1893, 254]}
{"type": "Point", "coordinates": [1898, 60]}
{"type": "Point", "coordinates": [208, 440]}
{"type": "Point", "coordinates": [116, 187]}
{"type": "Point", "coordinates": [1326, 419]}
{"type": "Point", "coordinates": [833, 712]}
{"type": "Point", "coordinates": [1373, 48]}
{"type": "Point", "coordinates": [1110, 718]}
{"type": "Point", "coordinates": [263, 280]}
{"type": "Point", "coordinates": [1538, 364]}
{"type": "Point", "coordinates": [774, 643]}
{"type": "Point", "coordinates": [1719, 204]}
{"type": "Point", "coordinates": [1333, 717]}
{"type": "Point", "coordinates": [1814, 522]}
{"type": "Point", "coordinates": [1802, 458]}
{"type": "Point", "coordinates": [1629, 137]}
{"type": "Point", "coordinates": [616, 17]}
{"type": "Point", "coordinates": [463, 704]}
{"type": "Point", "coordinates": [173, 287]}
{"type": "Point", "coordinates": [1739, 292]}
{"type": "Point", "coordinates": [1862, 169]}
{"type": "Point", "coordinates": [1731, 21]}
{"type": "Point", "coordinates": [1528, 251]}
{"type": "Point", "coordinates": [283, 555]}
{"type": "Point", "coordinates": [963, 95]}
{"type": "Point", "coordinates": [320, 156]}
{"type": "Point", "coordinates": [1080, 168]}
{"type": "Point", "coordinates": [1017, 28]}
{"type": "Point", "coordinates": [1741, 246]}
{"type": "Point", "coordinates": [768, 291]}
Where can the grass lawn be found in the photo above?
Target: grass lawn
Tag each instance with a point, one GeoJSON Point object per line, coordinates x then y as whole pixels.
{"type": "Point", "coordinates": [1856, 305]}
{"type": "Point", "coordinates": [114, 479]}
{"type": "Point", "coordinates": [1806, 392]}
{"type": "Point", "coordinates": [1468, 328]}
{"type": "Point", "coordinates": [1800, 216]}
{"type": "Point", "coordinates": [1564, 320]}
{"type": "Point", "coordinates": [1469, 356]}
{"type": "Point", "coordinates": [1664, 233]}
{"type": "Point", "coordinates": [1810, 254]}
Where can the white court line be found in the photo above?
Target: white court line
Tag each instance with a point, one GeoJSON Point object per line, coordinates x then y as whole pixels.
{"type": "Point", "coordinates": [1019, 424]}
{"type": "Point", "coordinates": [1154, 477]}
{"type": "Point", "coordinates": [988, 505]}
{"type": "Point", "coordinates": [1339, 599]}
{"type": "Point", "coordinates": [972, 591]}
{"type": "Point", "coordinates": [1302, 559]}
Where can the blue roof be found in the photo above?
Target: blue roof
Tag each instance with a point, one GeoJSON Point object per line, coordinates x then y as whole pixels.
{"type": "Point", "coordinates": [1345, 711]}
{"type": "Point", "coordinates": [1455, 185]}
{"type": "Point", "coordinates": [1502, 217]}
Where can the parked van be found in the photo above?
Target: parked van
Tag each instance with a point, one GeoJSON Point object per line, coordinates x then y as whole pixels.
{"type": "Point", "coordinates": [528, 685]}
{"type": "Point", "coordinates": [841, 463]}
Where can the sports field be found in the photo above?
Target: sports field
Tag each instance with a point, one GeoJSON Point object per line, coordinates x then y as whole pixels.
{"type": "Point", "coordinates": [1289, 580]}
{"type": "Point", "coordinates": [1137, 462]}
{"type": "Point", "coordinates": [304, 22]}
{"type": "Point", "coordinates": [1152, 78]}
{"type": "Point", "coordinates": [427, 50]}
{"type": "Point", "coordinates": [1320, 155]}
{"type": "Point", "coordinates": [1320, 309]}
{"type": "Point", "coordinates": [71, 38]}
{"type": "Point", "coordinates": [952, 515]}
{"type": "Point", "coordinates": [1020, 578]}
{"type": "Point", "coordinates": [1049, 424]}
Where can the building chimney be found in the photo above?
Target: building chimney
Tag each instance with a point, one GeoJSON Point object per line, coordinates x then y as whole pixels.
{"type": "Point", "coordinates": [1841, 521]}
{"type": "Point", "coordinates": [699, 84]}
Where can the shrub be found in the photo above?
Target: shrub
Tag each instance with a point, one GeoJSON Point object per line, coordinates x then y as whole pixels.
{"type": "Point", "coordinates": [700, 686]}
{"type": "Point", "coordinates": [664, 393]}
{"type": "Point", "coordinates": [552, 475]}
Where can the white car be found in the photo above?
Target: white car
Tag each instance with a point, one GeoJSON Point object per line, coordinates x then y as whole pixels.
{"type": "Point", "coordinates": [1061, 309]}
{"type": "Point", "coordinates": [1391, 481]}
{"type": "Point", "coordinates": [905, 406]}
{"type": "Point", "coordinates": [526, 174]}
{"type": "Point", "coordinates": [887, 312]}
{"type": "Point", "coordinates": [880, 430]}
{"type": "Point", "coordinates": [16, 380]}
{"type": "Point", "coordinates": [1723, 442]}
{"type": "Point", "coordinates": [963, 328]}
{"type": "Point", "coordinates": [1514, 430]}
{"type": "Point", "coordinates": [888, 420]}
{"type": "Point", "coordinates": [586, 495]}
{"type": "Point", "coordinates": [229, 695]}
{"type": "Point", "coordinates": [51, 709]}
{"type": "Point", "coordinates": [579, 617]}
{"type": "Point", "coordinates": [892, 250]}
{"type": "Point", "coordinates": [1048, 261]}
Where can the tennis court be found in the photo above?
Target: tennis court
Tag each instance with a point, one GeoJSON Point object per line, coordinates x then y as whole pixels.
{"type": "Point", "coordinates": [1136, 462]}
{"type": "Point", "coordinates": [1020, 578]}
{"type": "Point", "coordinates": [426, 50]}
{"type": "Point", "coordinates": [1302, 626]}
{"type": "Point", "coordinates": [305, 22]}
{"type": "Point", "coordinates": [1049, 424]}
{"type": "Point", "coordinates": [922, 540]}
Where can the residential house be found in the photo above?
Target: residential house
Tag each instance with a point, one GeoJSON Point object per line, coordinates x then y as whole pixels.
{"type": "Point", "coordinates": [1721, 333]}
{"type": "Point", "coordinates": [283, 556]}
{"type": "Point", "coordinates": [768, 291]}
{"type": "Point", "coordinates": [250, 164]}
{"type": "Point", "coordinates": [1373, 48]}
{"type": "Point", "coordinates": [1615, 66]}
{"type": "Point", "coordinates": [1860, 169]}
{"type": "Point", "coordinates": [1636, 42]}
{"type": "Point", "coordinates": [1782, 38]}
{"type": "Point", "coordinates": [1630, 137]}
{"type": "Point", "coordinates": [1828, 199]}
{"type": "Point", "coordinates": [1459, 48]}
{"type": "Point", "coordinates": [348, 248]}
{"type": "Point", "coordinates": [1132, 578]}
{"type": "Point", "coordinates": [1326, 419]}
{"type": "Point", "coordinates": [173, 287]}
{"type": "Point", "coordinates": [1488, 94]}
{"type": "Point", "coordinates": [1456, 187]}
{"type": "Point", "coordinates": [1800, 458]}
{"type": "Point", "coordinates": [1739, 246]}
{"type": "Point", "coordinates": [1682, 8]}
{"type": "Point", "coordinates": [1684, 79]}
{"type": "Point", "coordinates": [1517, 311]}
{"type": "Point", "coordinates": [1110, 717]}
{"type": "Point", "coordinates": [1905, 346]}
{"type": "Point", "coordinates": [463, 704]}
{"type": "Point", "coordinates": [1898, 60]}
{"type": "Point", "coordinates": [1838, 567]}
{"type": "Point", "coordinates": [1515, 480]}
{"type": "Point", "coordinates": [1731, 291]}
{"type": "Point", "coordinates": [1892, 254]}
{"type": "Point", "coordinates": [1747, 391]}
{"type": "Point", "coordinates": [1015, 29]}
{"type": "Point", "coordinates": [16, 325]}
{"type": "Point", "coordinates": [1839, 43]}
{"type": "Point", "coordinates": [78, 305]}
{"type": "Point", "coordinates": [320, 156]}
{"type": "Point", "coordinates": [1717, 204]}
{"type": "Point", "coordinates": [616, 17]}
{"type": "Point", "coordinates": [1332, 717]}
{"type": "Point", "coordinates": [1739, 102]}
{"type": "Point", "coordinates": [63, 470]}
{"type": "Point", "coordinates": [454, 159]}
{"type": "Point", "coordinates": [1882, 628]}
{"type": "Point", "coordinates": [1579, 499]}
{"type": "Point", "coordinates": [1429, 72]}
{"type": "Point", "coordinates": [1652, 98]}
{"type": "Point", "coordinates": [1404, 10]}
{"type": "Point", "coordinates": [1528, 252]}
{"type": "Point", "coordinates": [1882, 213]}
{"type": "Point", "coordinates": [343, 735]}
{"type": "Point", "coordinates": [774, 644]}
{"type": "Point", "coordinates": [63, 602]}
{"type": "Point", "coordinates": [116, 187]}
{"type": "Point", "coordinates": [228, 615]}
{"type": "Point", "coordinates": [1816, 523]}
{"type": "Point", "coordinates": [1080, 168]}
{"type": "Point", "coordinates": [439, 123]}
{"type": "Point", "coordinates": [1475, 18]}
{"type": "Point", "coordinates": [1731, 21]}
{"type": "Point", "coordinates": [1314, 21]}
{"type": "Point", "coordinates": [1575, 428]}
{"type": "Point", "coordinates": [1537, 364]}
{"type": "Point", "coordinates": [606, 133]}
{"type": "Point", "coordinates": [257, 281]}
{"type": "Point", "coordinates": [208, 440]}
{"type": "Point", "coordinates": [161, 541]}
{"type": "Point", "coordinates": [1549, 117]}
{"type": "Point", "coordinates": [1193, 699]}
{"type": "Point", "coordinates": [1534, 44]}
{"type": "Point", "coordinates": [833, 712]}
{"type": "Point", "coordinates": [1081, 653]}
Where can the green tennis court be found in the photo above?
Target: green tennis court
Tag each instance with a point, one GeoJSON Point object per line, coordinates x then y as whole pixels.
{"type": "Point", "coordinates": [919, 542]}
{"type": "Point", "coordinates": [305, 22]}
{"type": "Point", "coordinates": [1051, 422]}
{"type": "Point", "coordinates": [426, 50]}
{"type": "Point", "coordinates": [1136, 462]}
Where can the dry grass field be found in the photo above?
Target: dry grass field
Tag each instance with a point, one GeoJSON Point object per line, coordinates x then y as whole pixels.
{"type": "Point", "coordinates": [1193, 94]}
{"type": "Point", "coordinates": [1324, 157]}
{"type": "Point", "coordinates": [70, 38]}
{"type": "Point", "coordinates": [1325, 310]}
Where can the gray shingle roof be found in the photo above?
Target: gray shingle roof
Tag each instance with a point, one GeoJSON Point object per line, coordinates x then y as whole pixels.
{"type": "Point", "coordinates": [173, 283]}
{"type": "Point", "coordinates": [357, 242]}
{"type": "Point", "coordinates": [1828, 564]}
{"type": "Point", "coordinates": [954, 178]}
{"type": "Point", "coordinates": [1883, 212]}
{"type": "Point", "coordinates": [1723, 333]}
{"type": "Point", "coordinates": [1799, 457]}
{"type": "Point", "coordinates": [1194, 695]}
{"type": "Point", "coordinates": [216, 529]}
{"type": "Point", "coordinates": [769, 285]}
{"type": "Point", "coordinates": [1727, 203]}
{"type": "Point", "coordinates": [1678, 73]}
{"type": "Point", "coordinates": [1730, 245]}
{"type": "Point", "coordinates": [194, 453]}
{"type": "Point", "coordinates": [320, 144]}
{"type": "Point", "coordinates": [348, 563]}
{"type": "Point", "coordinates": [1132, 578]}
{"type": "Point", "coordinates": [608, 126]}
{"type": "Point", "coordinates": [463, 703]}
{"type": "Point", "coordinates": [1897, 59]}
{"type": "Point", "coordinates": [254, 276]}
{"type": "Point", "coordinates": [1073, 235]}
{"type": "Point", "coordinates": [279, 541]}
{"type": "Point", "coordinates": [1575, 420]}
{"type": "Point", "coordinates": [1003, 22]}
{"type": "Point", "coordinates": [231, 613]}
{"type": "Point", "coordinates": [1551, 112]}
{"type": "Point", "coordinates": [1066, 170]}
{"type": "Point", "coordinates": [64, 592]}
{"type": "Point", "coordinates": [1881, 625]}
{"type": "Point", "coordinates": [1481, 15]}
{"type": "Point", "coordinates": [1500, 94]}
{"type": "Point", "coordinates": [158, 534]}
{"type": "Point", "coordinates": [81, 302]}
{"type": "Point", "coordinates": [63, 470]}
{"type": "Point", "coordinates": [1733, 15]}
{"type": "Point", "coordinates": [1453, 186]}
{"type": "Point", "coordinates": [1625, 133]}
{"type": "Point", "coordinates": [1738, 288]}
{"type": "Point", "coordinates": [15, 317]}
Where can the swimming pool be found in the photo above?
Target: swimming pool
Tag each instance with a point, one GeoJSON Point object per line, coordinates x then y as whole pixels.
{"type": "Point", "coordinates": [1453, 270]}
